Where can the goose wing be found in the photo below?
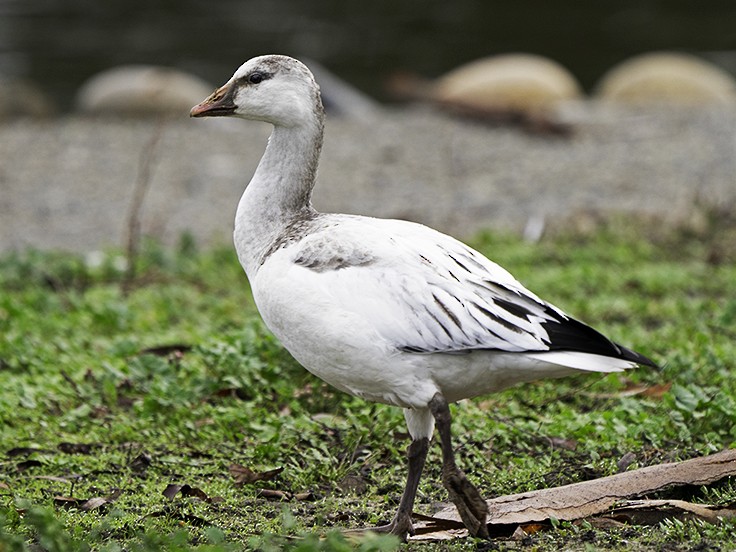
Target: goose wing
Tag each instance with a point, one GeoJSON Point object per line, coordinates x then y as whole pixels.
{"type": "Point", "coordinates": [425, 292]}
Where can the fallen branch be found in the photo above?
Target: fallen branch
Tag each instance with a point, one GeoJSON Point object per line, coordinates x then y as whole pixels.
{"type": "Point", "coordinates": [608, 495]}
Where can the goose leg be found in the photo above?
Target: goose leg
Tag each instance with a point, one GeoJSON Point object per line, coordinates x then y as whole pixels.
{"type": "Point", "coordinates": [401, 526]}
{"type": "Point", "coordinates": [470, 505]}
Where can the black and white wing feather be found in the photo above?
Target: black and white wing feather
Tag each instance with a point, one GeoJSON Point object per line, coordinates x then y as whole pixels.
{"type": "Point", "coordinates": [425, 292]}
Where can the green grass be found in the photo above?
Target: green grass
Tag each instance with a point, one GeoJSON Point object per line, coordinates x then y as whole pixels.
{"type": "Point", "coordinates": [113, 396]}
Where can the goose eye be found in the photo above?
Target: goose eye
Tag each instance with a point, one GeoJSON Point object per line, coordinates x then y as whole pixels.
{"type": "Point", "coordinates": [255, 78]}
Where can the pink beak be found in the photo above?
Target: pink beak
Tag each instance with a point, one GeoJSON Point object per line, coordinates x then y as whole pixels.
{"type": "Point", "coordinates": [219, 104]}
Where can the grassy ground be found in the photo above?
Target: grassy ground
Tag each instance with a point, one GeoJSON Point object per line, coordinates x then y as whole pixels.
{"type": "Point", "coordinates": [108, 399]}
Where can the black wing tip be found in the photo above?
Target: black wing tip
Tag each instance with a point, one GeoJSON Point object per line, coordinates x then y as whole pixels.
{"type": "Point", "coordinates": [572, 335]}
{"type": "Point", "coordinates": [640, 359]}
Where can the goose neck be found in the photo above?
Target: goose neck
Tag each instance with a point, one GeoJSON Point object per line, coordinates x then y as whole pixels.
{"type": "Point", "coordinates": [288, 168]}
{"type": "Point", "coordinates": [279, 194]}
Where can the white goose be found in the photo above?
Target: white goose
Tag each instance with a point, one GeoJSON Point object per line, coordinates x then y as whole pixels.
{"type": "Point", "coordinates": [386, 309]}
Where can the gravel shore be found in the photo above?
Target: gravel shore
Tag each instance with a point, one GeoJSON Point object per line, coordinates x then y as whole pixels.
{"type": "Point", "coordinates": [68, 183]}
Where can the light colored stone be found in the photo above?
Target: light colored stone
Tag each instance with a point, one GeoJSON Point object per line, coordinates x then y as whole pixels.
{"type": "Point", "coordinates": [141, 90]}
{"type": "Point", "coordinates": [667, 77]}
{"type": "Point", "coordinates": [521, 82]}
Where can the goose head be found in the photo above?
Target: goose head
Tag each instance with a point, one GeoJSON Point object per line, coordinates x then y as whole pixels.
{"type": "Point", "coordinates": [276, 89]}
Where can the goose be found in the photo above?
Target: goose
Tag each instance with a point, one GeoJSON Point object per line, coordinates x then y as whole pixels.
{"type": "Point", "coordinates": [388, 310]}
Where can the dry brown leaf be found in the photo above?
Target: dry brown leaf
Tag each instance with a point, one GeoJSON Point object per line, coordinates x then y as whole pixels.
{"type": "Point", "coordinates": [604, 523]}
{"type": "Point", "coordinates": [78, 448]}
{"type": "Point", "coordinates": [232, 393]}
{"type": "Point", "coordinates": [68, 501]}
{"type": "Point", "coordinates": [25, 451]}
{"type": "Point", "coordinates": [625, 461]}
{"type": "Point", "coordinates": [561, 443]}
{"type": "Point", "coordinates": [657, 391]}
{"type": "Point", "coordinates": [430, 534]}
{"type": "Point", "coordinates": [56, 478]}
{"type": "Point", "coordinates": [86, 504]}
{"type": "Point", "coordinates": [653, 391]}
{"type": "Point", "coordinates": [186, 491]}
{"type": "Point", "coordinates": [171, 490]}
{"type": "Point", "coordinates": [433, 529]}
{"type": "Point", "coordinates": [27, 464]}
{"type": "Point", "coordinates": [532, 528]}
{"type": "Point", "coordinates": [94, 503]}
{"type": "Point", "coordinates": [176, 349]}
{"type": "Point", "coordinates": [195, 492]}
{"type": "Point", "coordinates": [244, 475]}
{"type": "Point", "coordinates": [273, 494]}
{"type": "Point", "coordinates": [141, 462]}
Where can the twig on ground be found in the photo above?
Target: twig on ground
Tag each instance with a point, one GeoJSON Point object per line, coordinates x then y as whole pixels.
{"type": "Point", "coordinates": [145, 164]}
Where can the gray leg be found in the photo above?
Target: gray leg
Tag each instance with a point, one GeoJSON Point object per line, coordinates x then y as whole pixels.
{"type": "Point", "coordinates": [401, 525]}
{"type": "Point", "coordinates": [470, 505]}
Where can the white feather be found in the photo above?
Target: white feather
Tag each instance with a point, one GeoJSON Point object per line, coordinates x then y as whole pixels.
{"type": "Point", "coordinates": [584, 361]}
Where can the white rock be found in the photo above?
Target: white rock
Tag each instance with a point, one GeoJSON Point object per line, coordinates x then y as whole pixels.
{"type": "Point", "coordinates": [520, 82]}
{"type": "Point", "coordinates": [141, 89]}
{"type": "Point", "coordinates": [667, 78]}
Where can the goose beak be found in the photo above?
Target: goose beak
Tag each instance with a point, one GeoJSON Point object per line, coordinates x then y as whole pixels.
{"type": "Point", "coordinates": [219, 104]}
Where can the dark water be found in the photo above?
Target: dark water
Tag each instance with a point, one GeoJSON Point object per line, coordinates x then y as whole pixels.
{"type": "Point", "coordinates": [59, 43]}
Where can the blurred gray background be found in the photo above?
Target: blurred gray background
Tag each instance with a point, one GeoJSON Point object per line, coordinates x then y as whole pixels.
{"type": "Point", "coordinates": [60, 43]}
{"type": "Point", "coordinates": [68, 181]}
